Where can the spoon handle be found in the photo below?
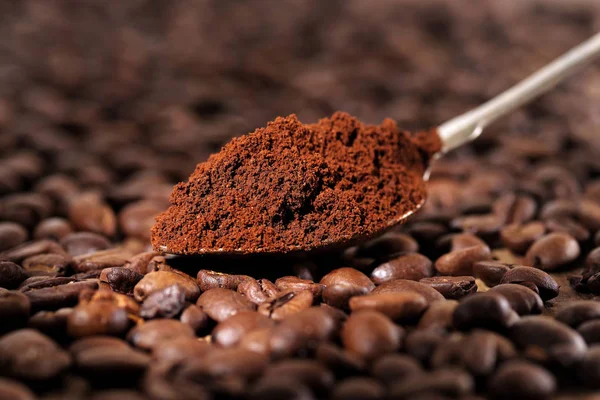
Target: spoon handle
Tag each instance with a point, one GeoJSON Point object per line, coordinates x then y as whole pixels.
{"type": "Point", "coordinates": [468, 126]}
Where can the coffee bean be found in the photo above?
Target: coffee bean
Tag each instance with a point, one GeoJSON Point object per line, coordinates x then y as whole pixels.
{"type": "Point", "coordinates": [48, 264]}
{"type": "Point", "coordinates": [280, 389]}
{"type": "Point", "coordinates": [358, 388]}
{"type": "Point", "coordinates": [149, 334]}
{"type": "Point", "coordinates": [11, 235]}
{"type": "Point", "coordinates": [159, 280]}
{"type": "Point", "coordinates": [522, 299]}
{"type": "Point", "coordinates": [80, 243]}
{"type": "Point", "coordinates": [295, 284]}
{"type": "Point", "coordinates": [588, 371]}
{"type": "Point", "coordinates": [392, 368]}
{"type": "Point", "coordinates": [54, 228]}
{"type": "Point", "coordinates": [123, 364]}
{"type": "Point", "coordinates": [388, 245]}
{"type": "Point", "coordinates": [116, 299]}
{"type": "Point", "coordinates": [97, 318]}
{"type": "Point", "coordinates": [371, 334]}
{"type": "Point", "coordinates": [490, 272]}
{"type": "Point", "coordinates": [221, 304]}
{"type": "Point", "coordinates": [99, 260]}
{"type": "Point", "coordinates": [519, 238]}
{"type": "Point", "coordinates": [258, 340]}
{"type": "Point", "coordinates": [522, 380]}
{"type": "Point", "coordinates": [120, 279]}
{"type": "Point", "coordinates": [59, 296]}
{"type": "Point", "coordinates": [403, 285]}
{"type": "Point", "coordinates": [548, 340]}
{"type": "Point", "coordinates": [88, 212]}
{"type": "Point", "coordinates": [286, 304]}
{"type": "Point", "coordinates": [96, 342]}
{"type": "Point", "coordinates": [29, 355]}
{"type": "Point", "coordinates": [438, 316]}
{"type": "Point", "coordinates": [14, 390]}
{"type": "Point", "coordinates": [398, 306]}
{"type": "Point", "coordinates": [26, 209]}
{"type": "Point", "coordinates": [449, 382]}
{"type": "Point", "coordinates": [569, 226]}
{"type": "Point", "coordinates": [51, 323]}
{"type": "Point", "coordinates": [452, 287]}
{"type": "Point", "coordinates": [161, 383]}
{"type": "Point", "coordinates": [458, 241]}
{"type": "Point", "coordinates": [11, 275]}
{"type": "Point", "coordinates": [515, 208]}
{"type": "Point", "coordinates": [576, 313]}
{"type": "Point", "coordinates": [14, 310]}
{"type": "Point", "coordinates": [117, 394]}
{"type": "Point", "coordinates": [180, 349]}
{"type": "Point", "coordinates": [211, 279]}
{"type": "Point", "coordinates": [547, 286]}
{"type": "Point", "coordinates": [229, 332]}
{"type": "Point", "coordinates": [480, 225]}
{"type": "Point", "coordinates": [197, 319]}
{"type": "Point", "coordinates": [136, 219]}
{"type": "Point", "coordinates": [219, 363]}
{"type": "Point", "coordinates": [307, 372]}
{"type": "Point", "coordinates": [484, 350]}
{"type": "Point", "coordinates": [590, 331]}
{"type": "Point", "coordinates": [553, 251]}
{"type": "Point", "coordinates": [338, 360]}
{"type": "Point", "coordinates": [258, 291]}
{"type": "Point", "coordinates": [29, 249]}
{"type": "Point", "coordinates": [302, 330]}
{"type": "Point", "coordinates": [144, 263]}
{"type": "Point", "coordinates": [412, 266]}
{"type": "Point", "coordinates": [484, 310]}
{"type": "Point", "coordinates": [421, 344]}
{"type": "Point", "coordinates": [460, 262]}
{"type": "Point", "coordinates": [164, 303]}
{"type": "Point", "coordinates": [339, 295]}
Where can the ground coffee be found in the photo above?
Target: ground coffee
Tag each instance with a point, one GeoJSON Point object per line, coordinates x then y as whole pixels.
{"type": "Point", "coordinates": [293, 185]}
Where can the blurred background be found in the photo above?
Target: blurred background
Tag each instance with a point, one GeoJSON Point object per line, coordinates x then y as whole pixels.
{"type": "Point", "coordinates": [122, 98]}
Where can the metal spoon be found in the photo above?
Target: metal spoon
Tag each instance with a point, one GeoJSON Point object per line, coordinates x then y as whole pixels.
{"type": "Point", "coordinates": [465, 128]}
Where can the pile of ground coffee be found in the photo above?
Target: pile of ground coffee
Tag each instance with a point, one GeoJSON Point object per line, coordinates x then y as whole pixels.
{"type": "Point", "coordinates": [293, 185]}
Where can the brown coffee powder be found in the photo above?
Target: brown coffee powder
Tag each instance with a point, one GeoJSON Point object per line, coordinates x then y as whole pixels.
{"type": "Point", "coordinates": [296, 186]}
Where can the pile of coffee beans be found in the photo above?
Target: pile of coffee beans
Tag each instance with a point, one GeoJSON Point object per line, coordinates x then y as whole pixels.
{"type": "Point", "coordinates": [489, 292]}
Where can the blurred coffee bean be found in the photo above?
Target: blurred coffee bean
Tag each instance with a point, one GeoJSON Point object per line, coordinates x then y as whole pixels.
{"type": "Point", "coordinates": [119, 300]}
{"type": "Point", "coordinates": [519, 238]}
{"type": "Point", "coordinates": [293, 283]}
{"type": "Point", "coordinates": [460, 262]}
{"type": "Point", "coordinates": [458, 241]}
{"type": "Point", "coordinates": [180, 349]}
{"type": "Point", "coordinates": [307, 372]}
{"type": "Point", "coordinates": [14, 390]}
{"type": "Point", "coordinates": [26, 209]}
{"type": "Point", "coordinates": [221, 363]}
{"type": "Point", "coordinates": [99, 364]}
{"type": "Point", "coordinates": [358, 388]}
{"type": "Point", "coordinates": [57, 296]}
{"type": "Point", "coordinates": [522, 299]}
{"type": "Point", "coordinates": [480, 225]}
{"type": "Point", "coordinates": [339, 361]}
{"type": "Point", "coordinates": [14, 310]}
{"type": "Point", "coordinates": [102, 259]}
{"type": "Point", "coordinates": [522, 380]}
{"type": "Point", "coordinates": [197, 319]}
{"type": "Point", "coordinates": [484, 350]}
{"type": "Point", "coordinates": [449, 382]}
{"type": "Point", "coordinates": [588, 371]}
{"type": "Point", "coordinates": [120, 279]}
{"type": "Point", "coordinates": [576, 313]}
{"type": "Point", "coordinates": [117, 394]}
{"type": "Point", "coordinates": [88, 212]}
{"type": "Point", "coordinates": [452, 287]}
{"type": "Point", "coordinates": [286, 304]}
{"type": "Point", "coordinates": [11, 275]}
{"type": "Point", "coordinates": [438, 316]}
{"type": "Point", "coordinates": [484, 310]}
{"type": "Point", "coordinates": [80, 243]}
{"type": "Point", "coordinates": [257, 291]}
{"type": "Point", "coordinates": [421, 344]}
{"type": "Point", "coordinates": [590, 331]}
{"type": "Point", "coordinates": [159, 280]}
{"type": "Point", "coordinates": [11, 235]}
{"type": "Point", "coordinates": [388, 245]}
{"type": "Point", "coordinates": [54, 228]}
{"type": "Point", "coordinates": [96, 342]}
{"type": "Point", "coordinates": [221, 304]}
{"type": "Point", "coordinates": [258, 340]}
{"type": "Point", "coordinates": [280, 389]}
{"type": "Point", "coordinates": [412, 266]}
{"type": "Point", "coordinates": [403, 285]}
{"type": "Point", "coordinates": [29, 355]}
{"type": "Point", "coordinates": [30, 249]}
{"type": "Point", "coordinates": [490, 272]}
{"type": "Point", "coordinates": [149, 334]}
{"type": "Point", "coordinates": [163, 303]}
{"type": "Point", "coordinates": [136, 219]}
{"type": "Point", "coordinates": [97, 318]}
{"type": "Point", "coordinates": [392, 368]}
{"type": "Point", "coordinates": [50, 264]}
{"type": "Point", "coordinates": [371, 334]}
{"type": "Point", "coordinates": [547, 286]}
{"type": "Point", "coordinates": [397, 306]}
{"type": "Point", "coordinates": [569, 226]}
{"type": "Point", "coordinates": [339, 295]}
{"type": "Point", "coordinates": [515, 208]}
{"type": "Point", "coordinates": [51, 323]}
{"type": "Point", "coordinates": [229, 332]}
{"type": "Point", "coordinates": [552, 251]}
{"type": "Point", "coordinates": [212, 279]}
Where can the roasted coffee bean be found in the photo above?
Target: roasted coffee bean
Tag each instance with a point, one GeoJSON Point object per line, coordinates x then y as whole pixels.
{"type": "Point", "coordinates": [161, 383]}
{"type": "Point", "coordinates": [101, 363]}
{"type": "Point", "coordinates": [349, 276]}
{"type": "Point", "coordinates": [11, 275]}
{"type": "Point", "coordinates": [221, 304]}
{"type": "Point", "coordinates": [221, 363]}
{"type": "Point", "coordinates": [522, 380]}
{"type": "Point", "coordinates": [280, 389]}
{"type": "Point", "coordinates": [458, 241]}
{"type": "Point", "coordinates": [38, 282]}
{"type": "Point", "coordinates": [590, 331]}
{"type": "Point", "coordinates": [97, 318]}
{"type": "Point", "coordinates": [460, 262]}
{"type": "Point", "coordinates": [88, 212]}
{"type": "Point", "coordinates": [307, 372]}
{"type": "Point", "coordinates": [421, 344]}
{"type": "Point", "coordinates": [229, 332]}
{"type": "Point", "coordinates": [480, 225]}
{"type": "Point", "coordinates": [519, 238]}
{"type": "Point", "coordinates": [452, 287]}
{"type": "Point", "coordinates": [117, 299]}
{"type": "Point", "coordinates": [149, 334]}
{"type": "Point", "coordinates": [96, 342]}
{"type": "Point", "coordinates": [59, 296]}
{"type": "Point", "coordinates": [102, 259]}
{"type": "Point", "coordinates": [576, 313]}
{"type": "Point", "coordinates": [588, 371]}
{"type": "Point", "coordinates": [522, 299]}
{"type": "Point", "coordinates": [547, 286]}
{"type": "Point", "coordinates": [136, 219]}
{"type": "Point", "coordinates": [258, 340]}
{"type": "Point", "coordinates": [338, 360]}
{"type": "Point", "coordinates": [144, 263]}
{"type": "Point", "coordinates": [490, 272]}
{"type": "Point", "coordinates": [26, 209]}
{"type": "Point", "coordinates": [358, 388]}
{"type": "Point", "coordinates": [548, 340]}
{"type": "Point", "coordinates": [286, 304]}
{"type": "Point", "coordinates": [164, 303]}
{"type": "Point", "coordinates": [197, 319]}
{"type": "Point", "coordinates": [120, 279]}
{"type": "Point", "coordinates": [54, 228]}
{"type": "Point", "coordinates": [438, 316]}
{"type": "Point", "coordinates": [398, 306]}
{"type": "Point", "coordinates": [553, 251]}
{"type": "Point", "coordinates": [392, 368]}
{"type": "Point", "coordinates": [30, 249]}
{"type": "Point", "coordinates": [14, 310]}
{"type": "Point", "coordinates": [211, 279]}
{"type": "Point", "coordinates": [305, 271]}
{"type": "Point", "coordinates": [51, 323]}
{"type": "Point", "coordinates": [80, 243]}
{"type": "Point", "coordinates": [303, 329]}
{"type": "Point", "coordinates": [339, 295]}
{"type": "Point", "coordinates": [593, 283]}
{"type": "Point", "coordinates": [569, 226]}
{"type": "Point", "coordinates": [448, 382]}
{"type": "Point", "coordinates": [515, 208]}
{"type": "Point", "coordinates": [371, 334]}
{"type": "Point", "coordinates": [50, 264]}
{"type": "Point", "coordinates": [29, 355]}
{"type": "Point", "coordinates": [388, 245]}
{"type": "Point", "coordinates": [484, 310]}
{"type": "Point", "coordinates": [179, 349]}
{"type": "Point", "coordinates": [11, 235]}
{"type": "Point", "coordinates": [403, 285]}
{"type": "Point", "coordinates": [295, 284]}
{"type": "Point", "coordinates": [258, 291]}
{"type": "Point", "coordinates": [159, 280]}
{"type": "Point", "coordinates": [14, 390]}
{"type": "Point", "coordinates": [117, 394]}
{"type": "Point", "coordinates": [412, 266]}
